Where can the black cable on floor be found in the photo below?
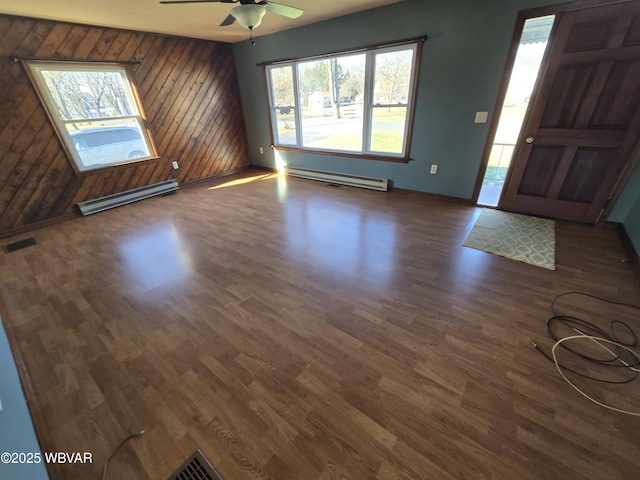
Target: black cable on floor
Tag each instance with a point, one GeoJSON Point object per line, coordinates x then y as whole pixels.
{"type": "Point", "coordinates": [588, 329]}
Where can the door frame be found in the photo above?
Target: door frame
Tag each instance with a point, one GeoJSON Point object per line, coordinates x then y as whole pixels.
{"type": "Point", "coordinates": [523, 15]}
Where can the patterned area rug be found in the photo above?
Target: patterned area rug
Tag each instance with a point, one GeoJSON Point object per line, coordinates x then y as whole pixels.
{"type": "Point", "coordinates": [527, 239]}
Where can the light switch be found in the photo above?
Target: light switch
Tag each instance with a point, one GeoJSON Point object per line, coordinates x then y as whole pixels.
{"type": "Point", "coordinates": [481, 117]}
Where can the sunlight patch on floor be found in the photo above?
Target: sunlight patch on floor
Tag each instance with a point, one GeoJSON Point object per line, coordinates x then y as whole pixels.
{"type": "Point", "coordinates": [242, 181]}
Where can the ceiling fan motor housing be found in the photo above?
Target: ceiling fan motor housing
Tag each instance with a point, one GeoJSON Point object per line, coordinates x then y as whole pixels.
{"type": "Point", "coordinates": [249, 16]}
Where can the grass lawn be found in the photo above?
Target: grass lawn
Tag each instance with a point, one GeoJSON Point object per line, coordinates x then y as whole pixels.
{"type": "Point", "coordinates": [383, 140]}
{"type": "Point", "coordinates": [495, 176]}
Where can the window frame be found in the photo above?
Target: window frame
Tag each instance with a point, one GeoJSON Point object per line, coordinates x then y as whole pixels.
{"type": "Point", "coordinates": [139, 118]}
{"type": "Point", "coordinates": [368, 103]}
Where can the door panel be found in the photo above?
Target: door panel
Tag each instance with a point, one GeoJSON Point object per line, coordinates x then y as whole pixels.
{"type": "Point", "coordinates": [583, 178]}
{"type": "Point", "coordinates": [540, 171]}
{"type": "Point", "coordinates": [585, 120]}
{"type": "Point", "coordinates": [567, 96]}
{"type": "Point", "coordinates": [619, 98]}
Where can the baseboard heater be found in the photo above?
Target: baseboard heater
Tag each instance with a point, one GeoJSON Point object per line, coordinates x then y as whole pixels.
{"type": "Point", "coordinates": [340, 178]}
{"type": "Point", "coordinates": [118, 199]}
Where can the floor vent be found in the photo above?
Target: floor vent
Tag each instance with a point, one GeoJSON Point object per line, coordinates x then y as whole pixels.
{"type": "Point", "coordinates": [197, 467]}
{"type": "Point", "coordinates": [340, 178]}
{"type": "Point", "coordinates": [118, 199]}
{"type": "Point", "coordinates": [27, 242]}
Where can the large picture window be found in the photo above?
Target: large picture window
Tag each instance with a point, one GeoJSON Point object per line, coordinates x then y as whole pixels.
{"type": "Point", "coordinates": [96, 112]}
{"type": "Point", "coordinates": [358, 103]}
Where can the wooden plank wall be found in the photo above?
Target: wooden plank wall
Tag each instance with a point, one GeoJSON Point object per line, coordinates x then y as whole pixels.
{"type": "Point", "coordinates": [188, 88]}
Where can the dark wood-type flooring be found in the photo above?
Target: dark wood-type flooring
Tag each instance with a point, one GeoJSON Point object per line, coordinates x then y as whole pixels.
{"type": "Point", "coordinates": [293, 330]}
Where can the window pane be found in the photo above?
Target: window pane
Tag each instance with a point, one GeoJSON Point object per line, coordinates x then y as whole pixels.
{"type": "Point", "coordinates": [285, 126]}
{"type": "Point", "coordinates": [85, 94]}
{"type": "Point", "coordinates": [95, 112]}
{"type": "Point", "coordinates": [355, 102]}
{"type": "Point", "coordinates": [100, 144]}
{"type": "Point", "coordinates": [392, 81]}
{"type": "Point", "coordinates": [388, 129]}
{"type": "Point", "coordinates": [392, 77]}
{"type": "Point", "coordinates": [332, 90]}
{"type": "Point", "coordinates": [283, 105]}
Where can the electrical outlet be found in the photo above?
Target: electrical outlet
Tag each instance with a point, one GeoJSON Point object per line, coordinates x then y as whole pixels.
{"type": "Point", "coordinates": [434, 169]}
{"type": "Point", "coordinates": [261, 150]}
{"type": "Point", "coordinates": [481, 117]}
{"type": "Point", "coordinates": [175, 165]}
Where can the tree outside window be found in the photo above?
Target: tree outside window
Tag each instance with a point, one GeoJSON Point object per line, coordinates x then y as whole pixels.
{"type": "Point", "coordinates": [96, 112]}
{"type": "Point", "coordinates": [359, 103]}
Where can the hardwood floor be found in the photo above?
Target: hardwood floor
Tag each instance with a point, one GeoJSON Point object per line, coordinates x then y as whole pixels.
{"type": "Point", "coordinates": [296, 331]}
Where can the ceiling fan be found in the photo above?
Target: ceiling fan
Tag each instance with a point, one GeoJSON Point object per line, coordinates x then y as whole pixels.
{"type": "Point", "coordinates": [248, 13]}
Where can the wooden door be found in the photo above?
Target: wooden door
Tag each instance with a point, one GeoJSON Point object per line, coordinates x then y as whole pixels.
{"type": "Point", "coordinates": [584, 124]}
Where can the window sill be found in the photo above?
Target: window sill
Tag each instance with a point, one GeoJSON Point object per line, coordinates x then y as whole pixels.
{"type": "Point", "coordinates": [110, 168]}
{"type": "Point", "coordinates": [335, 153]}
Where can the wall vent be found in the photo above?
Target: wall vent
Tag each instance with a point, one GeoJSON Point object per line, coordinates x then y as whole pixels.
{"type": "Point", "coordinates": [340, 178]}
{"type": "Point", "coordinates": [12, 247]}
{"type": "Point", "coordinates": [118, 199]}
{"type": "Point", "coordinates": [197, 467]}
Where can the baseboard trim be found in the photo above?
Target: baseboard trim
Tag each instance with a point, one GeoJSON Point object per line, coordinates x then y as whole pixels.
{"type": "Point", "coordinates": [266, 169]}
{"type": "Point", "coordinates": [69, 216]}
{"type": "Point", "coordinates": [434, 196]}
{"type": "Point", "coordinates": [214, 177]}
{"type": "Point", "coordinates": [411, 193]}
{"type": "Point", "coordinates": [36, 225]}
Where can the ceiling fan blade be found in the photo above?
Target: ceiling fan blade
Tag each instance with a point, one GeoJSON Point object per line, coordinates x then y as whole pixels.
{"type": "Point", "coordinates": [169, 2]}
{"type": "Point", "coordinates": [284, 10]}
{"type": "Point", "coordinates": [228, 21]}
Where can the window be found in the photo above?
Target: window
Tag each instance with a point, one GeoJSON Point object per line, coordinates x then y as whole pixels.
{"type": "Point", "coordinates": [96, 112]}
{"type": "Point", "coordinates": [358, 103]}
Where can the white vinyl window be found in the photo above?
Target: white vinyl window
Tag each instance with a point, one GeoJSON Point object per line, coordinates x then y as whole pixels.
{"type": "Point", "coordinates": [95, 110]}
{"type": "Point", "coordinates": [358, 103]}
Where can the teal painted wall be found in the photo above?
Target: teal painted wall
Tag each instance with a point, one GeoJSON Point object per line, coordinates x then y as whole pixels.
{"type": "Point", "coordinates": [627, 210]}
{"type": "Point", "coordinates": [626, 201]}
{"type": "Point", "coordinates": [16, 428]}
{"type": "Point", "coordinates": [461, 67]}
{"type": "Point", "coordinates": [632, 224]}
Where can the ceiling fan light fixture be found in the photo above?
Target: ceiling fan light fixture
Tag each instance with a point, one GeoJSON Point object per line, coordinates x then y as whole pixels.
{"type": "Point", "coordinates": [249, 16]}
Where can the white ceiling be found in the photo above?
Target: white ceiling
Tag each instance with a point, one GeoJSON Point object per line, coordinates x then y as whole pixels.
{"type": "Point", "coordinates": [191, 20]}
